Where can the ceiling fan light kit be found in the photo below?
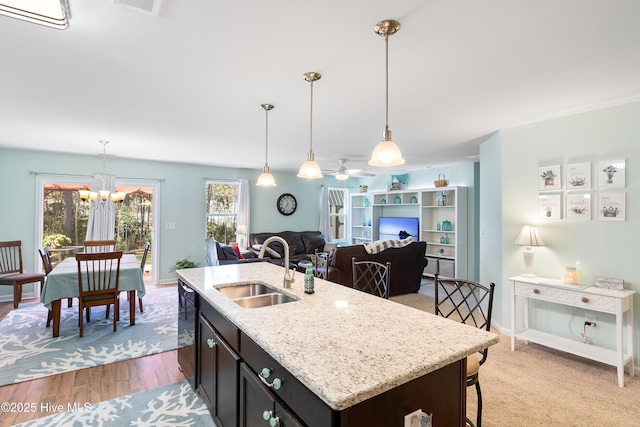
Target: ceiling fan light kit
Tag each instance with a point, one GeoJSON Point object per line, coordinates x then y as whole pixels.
{"type": "Point", "coordinates": [266, 179]}
{"type": "Point", "coordinates": [310, 169]}
{"type": "Point", "coordinates": [386, 153]}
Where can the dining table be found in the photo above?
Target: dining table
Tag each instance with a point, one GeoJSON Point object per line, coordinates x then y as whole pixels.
{"type": "Point", "coordinates": [62, 283]}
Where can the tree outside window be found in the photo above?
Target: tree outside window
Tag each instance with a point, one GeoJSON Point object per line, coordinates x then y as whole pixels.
{"type": "Point", "coordinates": [221, 210]}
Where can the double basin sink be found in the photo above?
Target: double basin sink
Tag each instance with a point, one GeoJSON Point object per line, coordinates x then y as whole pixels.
{"type": "Point", "coordinates": [254, 295]}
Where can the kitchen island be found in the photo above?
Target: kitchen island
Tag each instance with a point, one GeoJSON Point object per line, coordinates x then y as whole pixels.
{"type": "Point", "coordinates": [347, 358]}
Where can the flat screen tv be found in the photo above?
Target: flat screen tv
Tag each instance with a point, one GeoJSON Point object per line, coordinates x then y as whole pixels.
{"type": "Point", "coordinates": [396, 228]}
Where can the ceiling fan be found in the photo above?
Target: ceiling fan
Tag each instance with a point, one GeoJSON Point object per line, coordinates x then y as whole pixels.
{"type": "Point", "coordinates": [343, 173]}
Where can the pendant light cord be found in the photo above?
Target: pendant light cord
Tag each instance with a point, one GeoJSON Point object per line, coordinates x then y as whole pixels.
{"type": "Point", "coordinates": [266, 138]}
{"type": "Point", "coordinates": [386, 65]}
{"type": "Point", "coordinates": [311, 123]}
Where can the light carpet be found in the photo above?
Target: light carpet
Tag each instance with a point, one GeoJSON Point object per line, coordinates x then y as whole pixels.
{"type": "Point", "coordinates": [538, 386]}
{"type": "Point", "coordinates": [28, 350]}
{"type": "Point", "coordinates": [170, 405]}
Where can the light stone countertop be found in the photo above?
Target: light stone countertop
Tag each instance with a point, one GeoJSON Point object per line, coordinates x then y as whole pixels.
{"type": "Point", "coordinates": [346, 346]}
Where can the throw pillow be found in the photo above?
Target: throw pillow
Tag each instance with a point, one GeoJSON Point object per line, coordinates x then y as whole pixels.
{"type": "Point", "coordinates": [236, 249]}
{"type": "Point", "coordinates": [268, 250]}
{"type": "Point", "coordinates": [228, 252]}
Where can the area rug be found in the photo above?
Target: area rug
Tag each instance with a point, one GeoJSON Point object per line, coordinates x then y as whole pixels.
{"type": "Point", "coordinates": [170, 405]}
{"type": "Point", "coordinates": [28, 350]}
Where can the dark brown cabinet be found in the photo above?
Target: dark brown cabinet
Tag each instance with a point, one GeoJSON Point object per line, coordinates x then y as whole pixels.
{"type": "Point", "coordinates": [258, 406]}
{"type": "Point", "coordinates": [244, 386]}
{"type": "Point", "coordinates": [217, 374]}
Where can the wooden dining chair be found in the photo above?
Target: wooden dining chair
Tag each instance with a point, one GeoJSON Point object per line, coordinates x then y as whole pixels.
{"type": "Point", "coordinates": [143, 262]}
{"type": "Point", "coordinates": [93, 246]}
{"type": "Point", "coordinates": [98, 280]}
{"type": "Point", "coordinates": [11, 270]}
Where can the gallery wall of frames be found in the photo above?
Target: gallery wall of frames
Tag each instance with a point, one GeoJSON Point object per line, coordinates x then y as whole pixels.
{"type": "Point", "coordinates": [582, 191]}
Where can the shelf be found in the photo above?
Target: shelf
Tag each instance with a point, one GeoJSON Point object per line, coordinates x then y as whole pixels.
{"type": "Point", "coordinates": [578, 348]}
{"type": "Point", "coordinates": [439, 207]}
{"type": "Point", "coordinates": [439, 231]}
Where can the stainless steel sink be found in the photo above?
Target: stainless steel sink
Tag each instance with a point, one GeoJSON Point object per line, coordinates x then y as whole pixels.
{"type": "Point", "coordinates": [263, 300]}
{"type": "Point", "coordinates": [245, 290]}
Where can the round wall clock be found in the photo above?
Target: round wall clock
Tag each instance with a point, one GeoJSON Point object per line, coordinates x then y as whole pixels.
{"type": "Point", "coordinates": [287, 204]}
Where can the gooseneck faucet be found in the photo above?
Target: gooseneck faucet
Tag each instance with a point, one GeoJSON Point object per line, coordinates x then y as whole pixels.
{"type": "Point", "coordinates": [288, 279]}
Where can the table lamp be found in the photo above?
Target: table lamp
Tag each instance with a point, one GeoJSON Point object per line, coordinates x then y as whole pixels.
{"type": "Point", "coordinates": [529, 237]}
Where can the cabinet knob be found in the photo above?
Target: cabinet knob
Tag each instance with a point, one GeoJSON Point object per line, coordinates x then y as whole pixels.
{"type": "Point", "coordinates": [536, 291]}
{"type": "Point", "coordinates": [585, 299]}
{"type": "Point", "coordinates": [211, 343]}
{"type": "Point", "coordinates": [269, 416]}
{"type": "Point", "coordinates": [265, 373]}
{"type": "Point", "coordinates": [277, 383]}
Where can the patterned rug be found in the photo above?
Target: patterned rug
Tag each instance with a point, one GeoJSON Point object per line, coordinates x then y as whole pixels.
{"type": "Point", "coordinates": [170, 405]}
{"type": "Point", "coordinates": [28, 350]}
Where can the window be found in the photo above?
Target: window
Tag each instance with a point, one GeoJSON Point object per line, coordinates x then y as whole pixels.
{"type": "Point", "coordinates": [222, 210]}
{"type": "Point", "coordinates": [338, 212]}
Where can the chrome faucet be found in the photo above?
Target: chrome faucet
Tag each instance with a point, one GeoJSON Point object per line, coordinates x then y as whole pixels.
{"type": "Point", "coordinates": [288, 279]}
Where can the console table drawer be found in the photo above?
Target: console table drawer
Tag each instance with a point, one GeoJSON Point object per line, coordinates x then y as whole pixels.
{"type": "Point", "coordinates": [576, 298]}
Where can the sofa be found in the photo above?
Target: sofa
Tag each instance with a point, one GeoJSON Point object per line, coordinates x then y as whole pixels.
{"type": "Point", "coordinates": [407, 265]}
{"type": "Point", "coordinates": [301, 245]}
{"type": "Point", "coordinates": [218, 254]}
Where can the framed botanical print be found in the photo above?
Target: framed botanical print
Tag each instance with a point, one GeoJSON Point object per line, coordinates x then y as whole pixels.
{"type": "Point", "coordinates": [578, 206]}
{"type": "Point", "coordinates": [549, 206]}
{"type": "Point", "coordinates": [578, 176]}
{"type": "Point", "coordinates": [611, 206]}
{"type": "Point", "coordinates": [611, 173]}
{"type": "Point", "coordinates": [549, 178]}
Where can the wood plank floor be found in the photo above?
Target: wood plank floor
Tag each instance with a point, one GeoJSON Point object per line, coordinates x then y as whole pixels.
{"type": "Point", "coordinates": [91, 385]}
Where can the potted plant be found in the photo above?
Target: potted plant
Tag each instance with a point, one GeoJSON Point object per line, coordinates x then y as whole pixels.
{"type": "Point", "coordinates": [184, 263]}
{"type": "Point", "coordinates": [549, 177]}
{"type": "Point", "coordinates": [56, 240]}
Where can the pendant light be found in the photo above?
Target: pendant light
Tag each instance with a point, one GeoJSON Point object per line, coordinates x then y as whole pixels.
{"type": "Point", "coordinates": [266, 179]}
{"type": "Point", "coordinates": [386, 152]}
{"type": "Point", "coordinates": [310, 169]}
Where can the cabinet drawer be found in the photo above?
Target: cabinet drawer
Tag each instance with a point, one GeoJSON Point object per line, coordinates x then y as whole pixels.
{"type": "Point", "coordinates": [306, 405]}
{"type": "Point", "coordinates": [225, 328]}
{"type": "Point", "coordinates": [576, 298]}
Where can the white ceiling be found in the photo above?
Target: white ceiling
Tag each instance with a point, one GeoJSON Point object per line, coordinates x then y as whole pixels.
{"type": "Point", "coordinates": [186, 86]}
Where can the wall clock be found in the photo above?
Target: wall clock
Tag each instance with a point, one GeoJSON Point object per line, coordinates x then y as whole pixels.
{"type": "Point", "coordinates": [287, 204]}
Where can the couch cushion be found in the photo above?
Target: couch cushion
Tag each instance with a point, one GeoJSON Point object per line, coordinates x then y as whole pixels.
{"type": "Point", "coordinates": [312, 240]}
{"type": "Point", "coordinates": [227, 252]}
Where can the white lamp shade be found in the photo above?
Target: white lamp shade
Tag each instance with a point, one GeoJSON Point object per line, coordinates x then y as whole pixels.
{"type": "Point", "coordinates": [529, 237]}
{"type": "Point", "coordinates": [386, 153]}
{"type": "Point", "coordinates": [342, 176]}
{"type": "Point", "coordinates": [266, 180]}
{"type": "Point", "coordinates": [310, 170]}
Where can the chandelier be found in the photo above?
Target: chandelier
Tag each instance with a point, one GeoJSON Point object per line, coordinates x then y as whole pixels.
{"type": "Point", "coordinates": [102, 195]}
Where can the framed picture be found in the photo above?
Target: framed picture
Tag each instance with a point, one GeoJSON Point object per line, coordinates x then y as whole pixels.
{"type": "Point", "coordinates": [611, 173]}
{"type": "Point", "coordinates": [549, 206]}
{"type": "Point", "coordinates": [549, 178]}
{"type": "Point", "coordinates": [578, 206]}
{"type": "Point", "coordinates": [611, 206]}
{"type": "Point", "coordinates": [578, 176]}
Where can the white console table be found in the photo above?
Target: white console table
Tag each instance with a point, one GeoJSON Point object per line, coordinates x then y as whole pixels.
{"type": "Point", "coordinates": [588, 297]}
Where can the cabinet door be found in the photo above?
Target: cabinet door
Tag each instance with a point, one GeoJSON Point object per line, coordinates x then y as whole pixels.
{"type": "Point", "coordinates": [257, 402]}
{"type": "Point", "coordinates": [218, 376]}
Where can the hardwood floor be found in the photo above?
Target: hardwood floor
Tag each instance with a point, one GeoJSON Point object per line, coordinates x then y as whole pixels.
{"type": "Point", "coordinates": [91, 385]}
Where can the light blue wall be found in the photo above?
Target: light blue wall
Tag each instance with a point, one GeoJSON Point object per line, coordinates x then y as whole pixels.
{"type": "Point", "coordinates": [510, 162]}
{"type": "Point", "coordinates": [181, 198]}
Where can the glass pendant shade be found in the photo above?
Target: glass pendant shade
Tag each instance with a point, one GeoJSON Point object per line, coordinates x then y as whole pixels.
{"type": "Point", "coordinates": [310, 169]}
{"type": "Point", "coordinates": [342, 176]}
{"type": "Point", "coordinates": [266, 179]}
{"type": "Point", "coordinates": [386, 152]}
